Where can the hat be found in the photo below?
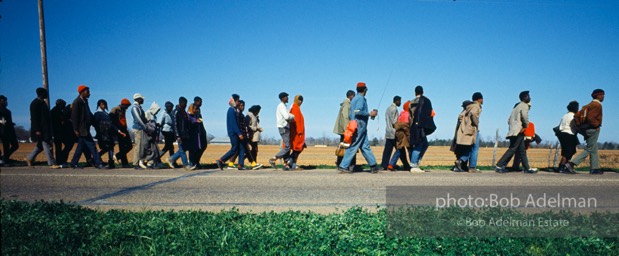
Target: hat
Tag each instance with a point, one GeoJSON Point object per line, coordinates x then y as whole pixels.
{"type": "Point", "coordinates": [82, 88]}
{"type": "Point", "coordinates": [361, 84]}
{"type": "Point", "coordinates": [282, 95]}
{"type": "Point", "coordinates": [125, 101]}
{"type": "Point", "coordinates": [137, 96]}
{"type": "Point", "coordinates": [523, 95]}
{"type": "Point", "coordinates": [477, 96]}
{"type": "Point", "coordinates": [597, 92]}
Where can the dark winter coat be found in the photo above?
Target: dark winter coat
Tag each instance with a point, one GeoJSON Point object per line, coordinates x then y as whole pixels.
{"type": "Point", "coordinates": [182, 125]}
{"type": "Point", "coordinates": [40, 121]}
{"type": "Point", "coordinates": [81, 117]}
{"type": "Point", "coordinates": [423, 122]}
{"type": "Point", "coordinates": [7, 130]}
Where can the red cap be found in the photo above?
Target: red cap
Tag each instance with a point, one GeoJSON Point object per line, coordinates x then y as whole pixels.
{"type": "Point", "coordinates": [125, 101]}
{"type": "Point", "coordinates": [81, 88]}
{"type": "Point", "coordinates": [360, 84]}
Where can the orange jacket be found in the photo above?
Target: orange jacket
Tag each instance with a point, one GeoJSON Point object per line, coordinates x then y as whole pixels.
{"type": "Point", "coordinates": [297, 129]}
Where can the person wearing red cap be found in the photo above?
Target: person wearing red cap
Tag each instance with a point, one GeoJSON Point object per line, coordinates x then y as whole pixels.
{"type": "Point", "coordinates": [359, 112]}
{"type": "Point", "coordinates": [118, 115]}
{"type": "Point", "coordinates": [593, 119]}
{"type": "Point", "coordinates": [82, 117]}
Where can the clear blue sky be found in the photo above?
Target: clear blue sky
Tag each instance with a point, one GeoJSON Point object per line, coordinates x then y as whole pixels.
{"type": "Point", "coordinates": [559, 50]}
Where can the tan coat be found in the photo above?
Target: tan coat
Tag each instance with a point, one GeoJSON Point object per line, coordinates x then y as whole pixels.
{"type": "Point", "coordinates": [343, 116]}
{"type": "Point", "coordinates": [518, 119]}
{"type": "Point", "coordinates": [469, 125]}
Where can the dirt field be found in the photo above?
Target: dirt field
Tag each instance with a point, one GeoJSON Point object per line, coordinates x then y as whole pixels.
{"type": "Point", "coordinates": [435, 156]}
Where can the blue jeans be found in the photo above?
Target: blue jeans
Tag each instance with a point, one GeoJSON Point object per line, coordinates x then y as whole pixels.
{"type": "Point", "coordinates": [180, 153]}
{"type": "Point", "coordinates": [471, 156]}
{"type": "Point", "coordinates": [361, 142]}
{"type": "Point", "coordinates": [236, 148]}
{"type": "Point", "coordinates": [88, 143]}
{"type": "Point", "coordinates": [401, 154]}
{"type": "Point", "coordinates": [418, 151]}
{"type": "Point", "coordinates": [47, 148]}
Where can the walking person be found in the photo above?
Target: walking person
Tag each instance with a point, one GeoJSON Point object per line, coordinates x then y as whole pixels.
{"type": "Point", "coordinates": [7, 132]}
{"type": "Point", "coordinates": [81, 118]}
{"type": "Point", "coordinates": [255, 130]}
{"type": "Point", "coordinates": [167, 130]}
{"type": "Point", "coordinates": [64, 138]}
{"type": "Point", "coordinates": [118, 115]}
{"type": "Point", "coordinates": [458, 149]}
{"type": "Point", "coordinates": [106, 132]}
{"type": "Point", "coordinates": [297, 132]}
{"type": "Point", "coordinates": [181, 132]}
{"type": "Point", "coordinates": [203, 140]}
{"type": "Point", "coordinates": [234, 100]}
{"type": "Point", "coordinates": [151, 155]}
{"type": "Point", "coordinates": [343, 117]}
{"type": "Point", "coordinates": [196, 142]}
{"type": "Point", "coordinates": [422, 126]}
{"type": "Point", "coordinates": [244, 127]}
{"type": "Point", "coordinates": [391, 117]}
{"type": "Point", "coordinates": [139, 122]}
{"type": "Point", "coordinates": [41, 129]}
{"type": "Point", "coordinates": [567, 136]}
{"type": "Point", "coordinates": [593, 122]}
{"type": "Point", "coordinates": [236, 136]}
{"type": "Point", "coordinates": [359, 112]}
{"type": "Point", "coordinates": [467, 135]}
{"type": "Point", "coordinates": [283, 118]}
{"type": "Point", "coordinates": [402, 135]}
{"type": "Point", "coordinates": [518, 122]}
{"type": "Point", "coordinates": [529, 137]}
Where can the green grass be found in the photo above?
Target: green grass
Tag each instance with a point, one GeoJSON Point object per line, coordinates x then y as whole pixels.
{"type": "Point", "coordinates": [56, 228]}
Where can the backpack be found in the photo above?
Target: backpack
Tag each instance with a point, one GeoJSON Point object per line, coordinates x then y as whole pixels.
{"type": "Point", "coordinates": [581, 123]}
{"type": "Point", "coordinates": [351, 130]}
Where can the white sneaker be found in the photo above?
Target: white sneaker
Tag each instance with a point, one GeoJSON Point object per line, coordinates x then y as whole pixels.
{"type": "Point", "coordinates": [116, 161]}
{"type": "Point", "coordinates": [416, 170]}
{"type": "Point", "coordinates": [141, 164]}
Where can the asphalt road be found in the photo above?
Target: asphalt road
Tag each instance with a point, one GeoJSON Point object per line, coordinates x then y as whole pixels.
{"type": "Point", "coordinates": [321, 191]}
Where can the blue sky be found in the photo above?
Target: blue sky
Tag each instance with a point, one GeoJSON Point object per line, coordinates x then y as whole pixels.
{"type": "Point", "coordinates": [559, 50]}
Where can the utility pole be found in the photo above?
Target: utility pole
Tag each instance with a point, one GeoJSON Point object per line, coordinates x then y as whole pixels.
{"type": "Point", "coordinates": [43, 49]}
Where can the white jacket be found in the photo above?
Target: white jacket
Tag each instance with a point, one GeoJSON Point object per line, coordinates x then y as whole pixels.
{"type": "Point", "coordinates": [283, 116]}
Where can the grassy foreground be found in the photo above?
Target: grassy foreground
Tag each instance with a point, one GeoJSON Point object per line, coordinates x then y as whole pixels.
{"type": "Point", "coordinates": [56, 228]}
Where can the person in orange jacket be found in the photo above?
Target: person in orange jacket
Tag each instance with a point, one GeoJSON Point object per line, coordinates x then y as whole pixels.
{"type": "Point", "coordinates": [297, 132]}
